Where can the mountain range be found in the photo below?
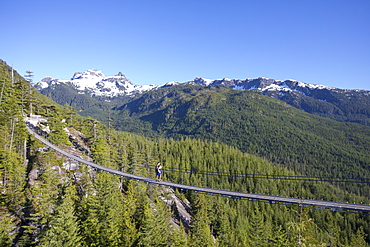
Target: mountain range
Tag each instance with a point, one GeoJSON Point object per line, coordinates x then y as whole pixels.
{"type": "Point", "coordinates": [201, 118]}
{"type": "Point", "coordinates": [250, 115]}
{"type": "Point", "coordinates": [91, 89]}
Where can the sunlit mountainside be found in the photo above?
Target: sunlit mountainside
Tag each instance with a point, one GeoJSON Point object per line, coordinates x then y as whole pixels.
{"type": "Point", "coordinates": [204, 135]}
{"type": "Point", "coordinates": [338, 104]}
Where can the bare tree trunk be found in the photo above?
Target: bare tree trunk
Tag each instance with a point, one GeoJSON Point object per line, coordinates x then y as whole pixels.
{"type": "Point", "coordinates": [2, 91]}
{"type": "Point", "coordinates": [109, 124]}
{"type": "Point", "coordinates": [12, 77]}
{"type": "Point", "coordinates": [29, 79]}
{"type": "Point", "coordinates": [94, 130]}
{"type": "Point", "coordinates": [25, 160]}
{"type": "Point", "coordinates": [12, 123]}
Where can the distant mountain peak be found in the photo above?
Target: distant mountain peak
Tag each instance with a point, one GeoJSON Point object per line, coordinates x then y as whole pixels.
{"type": "Point", "coordinates": [311, 98]}
{"type": "Point", "coordinates": [88, 74]}
{"type": "Point", "coordinates": [262, 84]}
{"type": "Point", "coordinates": [46, 82]}
{"type": "Point", "coordinates": [95, 83]}
{"type": "Point", "coordinates": [202, 81]}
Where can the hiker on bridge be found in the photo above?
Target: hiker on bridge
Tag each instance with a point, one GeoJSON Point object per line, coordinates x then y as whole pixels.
{"type": "Point", "coordinates": [159, 171]}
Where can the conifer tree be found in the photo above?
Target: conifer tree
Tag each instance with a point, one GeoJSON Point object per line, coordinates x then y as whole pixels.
{"type": "Point", "coordinates": [29, 77]}
{"type": "Point", "coordinates": [201, 232]}
{"type": "Point", "coordinates": [7, 225]}
{"type": "Point", "coordinates": [226, 236]}
{"type": "Point", "coordinates": [91, 226]}
{"type": "Point", "coordinates": [13, 175]}
{"type": "Point", "coordinates": [257, 231]}
{"type": "Point", "coordinates": [303, 231]}
{"type": "Point", "coordinates": [129, 231]}
{"type": "Point", "coordinates": [64, 227]}
{"type": "Point", "coordinates": [280, 237]}
{"type": "Point", "coordinates": [155, 224]}
{"type": "Point", "coordinates": [334, 231]}
{"type": "Point", "coordinates": [104, 217]}
{"type": "Point", "coordinates": [101, 151]}
{"type": "Point", "coordinates": [178, 237]}
{"type": "Point", "coordinates": [70, 114]}
{"type": "Point", "coordinates": [42, 196]}
{"type": "Point", "coordinates": [56, 123]}
{"type": "Point", "coordinates": [359, 238]}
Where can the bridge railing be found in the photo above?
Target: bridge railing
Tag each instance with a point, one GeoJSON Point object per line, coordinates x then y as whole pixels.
{"type": "Point", "coordinates": [361, 208]}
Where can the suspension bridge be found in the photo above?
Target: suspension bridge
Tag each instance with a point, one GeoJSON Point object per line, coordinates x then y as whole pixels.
{"type": "Point", "coordinates": [320, 204]}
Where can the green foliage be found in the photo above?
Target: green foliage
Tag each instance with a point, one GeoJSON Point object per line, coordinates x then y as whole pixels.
{"type": "Point", "coordinates": [358, 239]}
{"type": "Point", "coordinates": [340, 104]}
{"type": "Point", "coordinates": [6, 228]}
{"type": "Point", "coordinates": [44, 203]}
{"type": "Point", "coordinates": [63, 229]}
{"type": "Point", "coordinates": [255, 124]}
{"type": "Point", "coordinates": [303, 231]}
{"type": "Point", "coordinates": [201, 232]}
{"type": "Point", "coordinates": [104, 216]}
{"type": "Point", "coordinates": [155, 225]}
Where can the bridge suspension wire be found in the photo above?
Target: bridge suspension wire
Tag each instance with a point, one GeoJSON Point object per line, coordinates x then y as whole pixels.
{"type": "Point", "coordinates": [267, 176]}
{"type": "Point", "coordinates": [273, 176]}
{"type": "Point", "coordinates": [326, 205]}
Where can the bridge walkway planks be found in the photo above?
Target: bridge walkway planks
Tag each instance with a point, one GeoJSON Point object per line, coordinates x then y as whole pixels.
{"type": "Point", "coordinates": [232, 194]}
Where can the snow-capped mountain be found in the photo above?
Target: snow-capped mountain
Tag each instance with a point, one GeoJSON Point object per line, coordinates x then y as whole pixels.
{"type": "Point", "coordinates": [262, 84]}
{"type": "Point", "coordinates": [95, 83]}
{"type": "Point", "coordinates": [338, 104]}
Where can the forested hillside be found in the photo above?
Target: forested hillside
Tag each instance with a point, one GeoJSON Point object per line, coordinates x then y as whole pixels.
{"type": "Point", "coordinates": [96, 107]}
{"type": "Point", "coordinates": [248, 120]}
{"type": "Point", "coordinates": [47, 200]}
{"type": "Point", "coordinates": [337, 104]}
{"type": "Point", "coordinates": [255, 124]}
{"type": "Point", "coordinates": [341, 105]}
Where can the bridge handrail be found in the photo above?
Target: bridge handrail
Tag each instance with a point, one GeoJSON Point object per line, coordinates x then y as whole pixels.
{"type": "Point", "coordinates": [233, 194]}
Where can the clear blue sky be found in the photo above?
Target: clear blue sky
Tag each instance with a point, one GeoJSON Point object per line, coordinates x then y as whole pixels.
{"type": "Point", "coordinates": [156, 41]}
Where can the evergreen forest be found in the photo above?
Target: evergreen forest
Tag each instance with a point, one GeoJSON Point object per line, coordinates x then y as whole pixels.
{"type": "Point", "coordinates": [49, 200]}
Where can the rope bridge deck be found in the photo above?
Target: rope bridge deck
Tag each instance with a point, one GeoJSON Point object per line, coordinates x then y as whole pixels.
{"type": "Point", "coordinates": [362, 208]}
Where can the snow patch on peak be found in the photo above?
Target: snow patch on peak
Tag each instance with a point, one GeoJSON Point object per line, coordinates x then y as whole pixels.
{"type": "Point", "coordinates": [203, 81]}
{"type": "Point", "coordinates": [207, 81]}
{"type": "Point", "coordinates": [94, 72]}
{"type": "Point", "coordinates": [275, 87]}
{"type": "Point", "coordinates": [317, 86]}
{"type": "Point", "coordinates": [238, 87]}
{"type": "Point", "coordinates": [88, 74]}
{"type": "Point", "coordinates": [172, 83]}
{"type": "Point", "coordinates": [145, 88]}
{"type": "Point", "coordinates": [46, 82]}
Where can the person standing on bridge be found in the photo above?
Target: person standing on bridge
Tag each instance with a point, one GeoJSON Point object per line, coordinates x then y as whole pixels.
{"type": "Point", "coordinates": [159, 171]}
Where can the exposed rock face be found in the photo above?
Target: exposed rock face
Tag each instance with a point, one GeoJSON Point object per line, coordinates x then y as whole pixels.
{"type": "Point", "coordinates": [80, 149]}
{"type": "Point", "coordinates": [182, 207]}
{"type": "Point", "coordinates": [33, 176]}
